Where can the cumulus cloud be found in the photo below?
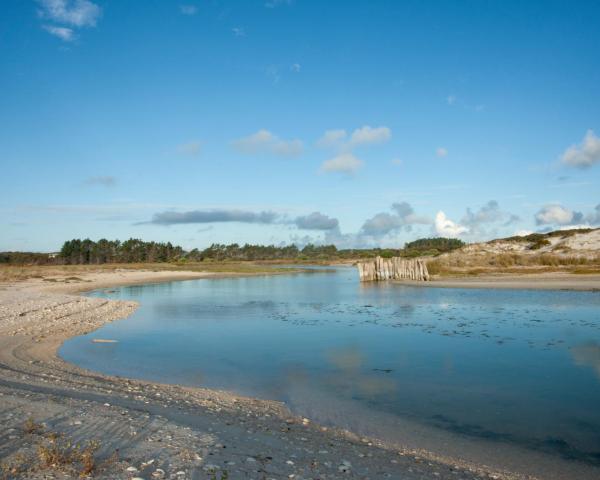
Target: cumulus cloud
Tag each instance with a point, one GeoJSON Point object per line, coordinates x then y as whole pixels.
{"type": "Point", "coordinates": [488, 213]}
{"type": "Point", "coordinates": [64, 33]}
{"type": "Point", "coordinates": [317, 221]}
{"type": "Point", "coordinates": [188, 9]}
{"type": "Point", "coordinates": [295, 67]}
{"type": "Point", "coordinates": [361, 136]}
{"type": "Point", "coordinates": [190, 148]}
{"type": "Point", "coordinates": [441, 152]}
{"type": "Point", "coordinates": [369, 135]}
{"type": "Point", "coordinates": [214, 216]}
{"type": "Point", "coordinates": [489, 216]}
{"type": "Point", "coordinates": [382, 224]}
{"type": "Point", "coordinates": [343, 163]}
{"type": "Point", "coordinates": [103, 180]}
{"type": "Point", "coordinates": [402, 217]}
{"type": "Point", "coordinates": [78, 13]}
{"type": "Point", "coordinates": [332, 138]}
{"type": "Point", "coordinates": [584, 155]}
{"type": "Point", "coordinates": [594, 217]}
{"type": "Point", "coordinates": [264, 141]}
{"type": "Point", "coordinates": [446, 227]}
{"type": "Point", "coordinates": [556, 214]}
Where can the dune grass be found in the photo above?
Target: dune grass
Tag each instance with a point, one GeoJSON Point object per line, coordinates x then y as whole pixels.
{"type": "Point", "coordinates": [512, 263]}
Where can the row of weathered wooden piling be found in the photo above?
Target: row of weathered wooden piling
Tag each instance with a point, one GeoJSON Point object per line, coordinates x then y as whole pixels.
{"type": "Point", "coordinates": [394, 268]}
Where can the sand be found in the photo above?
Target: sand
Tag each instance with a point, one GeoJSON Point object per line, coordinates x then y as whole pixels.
{"type": "Point", "coordinates": [533, 281]}
{"type": "Point", "coordinates": [147, 430]}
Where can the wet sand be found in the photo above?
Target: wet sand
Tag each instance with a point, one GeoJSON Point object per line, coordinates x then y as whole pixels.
{"type": "Point", "coordinates": [148, 430]}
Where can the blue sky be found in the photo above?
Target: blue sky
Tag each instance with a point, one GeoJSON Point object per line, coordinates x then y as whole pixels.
{"type": "Point", "coordinates": [357, 123]}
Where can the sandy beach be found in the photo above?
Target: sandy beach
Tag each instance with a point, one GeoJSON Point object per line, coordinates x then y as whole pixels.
{"type": "Point", "coordinates": [147, 430]}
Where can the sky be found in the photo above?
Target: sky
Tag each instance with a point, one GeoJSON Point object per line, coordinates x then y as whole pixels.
{"type": "Point", "coordinates": [358, 123]}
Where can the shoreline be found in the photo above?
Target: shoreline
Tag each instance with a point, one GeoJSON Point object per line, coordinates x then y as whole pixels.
{"type": "Point", "coordinates": [224, 432]}
{"type": "Point", "coordinates": [525, 281]}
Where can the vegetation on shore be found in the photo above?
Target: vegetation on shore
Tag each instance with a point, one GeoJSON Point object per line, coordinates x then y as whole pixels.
{"type": "Point", "coordinates": [534, 253]}
{"type": "Point", "coordinates": [88, 252]}
{"type": "Point", "coordinates": [469, 265]}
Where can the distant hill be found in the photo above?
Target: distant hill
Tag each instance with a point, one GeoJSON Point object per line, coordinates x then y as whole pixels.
{"type": "Point", "coordinates": [575, 251]}
{"type": "Point", "coordinates": [562, 242]}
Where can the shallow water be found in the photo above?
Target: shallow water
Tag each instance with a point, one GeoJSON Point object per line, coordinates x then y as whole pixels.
{"type": "Point", "coordinates": [518, 367]}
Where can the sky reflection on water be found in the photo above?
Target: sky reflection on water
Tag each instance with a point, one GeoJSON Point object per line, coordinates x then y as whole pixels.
{"type": "Point", "coordinates": [516, 366]}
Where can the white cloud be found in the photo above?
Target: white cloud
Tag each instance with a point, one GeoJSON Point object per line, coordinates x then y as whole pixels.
{"type": "Point", "coordinates": [317, 221]}
{"type": "Point", "coordinates": [522, 233]}
{"type": "Point", "coordinates": [368, 134]}
{"type": "Point", "coordinates": [556, 214]}
{"type": "Point", "coordinates": [403, 217]}
{"type": "Point", "coordinates": [343, 163]}
{"type": "Point", "coordinates": [441, 152]}
{"type": "Point", "coordinates": [188, 9]}
{"type": "Point", "coordinates": [451, 99]}
{"type": "Point", "coordinates": [64, 33]}
{"type": "Point", "coordinates": [446, 227]}
{"type": "Point", "coordinates": [332, 138]}
{"type": "Point", "coordinates": [488, 213]}
{"type": "Point", "coordinates": [79, 13]}
{"type": "Point", "coordinates": [264, 141]}
{"type": "Point", "coordinates": [295, 67]}
{"type": "Point", "coordinates": [584, 155]}
{"type": "Point", "coordinates": [190, 148]}
{"type": "Point", "coordinates": [238, 32]}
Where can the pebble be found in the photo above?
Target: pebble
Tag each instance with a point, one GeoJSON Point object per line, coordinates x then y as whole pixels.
{"type": "Point", "coordinates": [345, 467]}
{"type": "Point", "coordinates": [132, 469]}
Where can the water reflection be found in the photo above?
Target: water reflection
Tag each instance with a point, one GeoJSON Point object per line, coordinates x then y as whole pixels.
{"type": "Point", "coordinates": [502, 365]}
{"type": "Point", "coordinates": [587, 354]}
{"type": "Point", "coordinates": [349, 375]}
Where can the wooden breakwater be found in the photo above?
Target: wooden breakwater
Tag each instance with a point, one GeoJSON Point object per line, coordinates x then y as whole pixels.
{"type": "Point", "coordinates": [394, 268]}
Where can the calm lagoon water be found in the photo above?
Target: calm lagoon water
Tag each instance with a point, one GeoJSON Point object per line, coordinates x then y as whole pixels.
{"type": "Point", "coordinates": [517, 367]}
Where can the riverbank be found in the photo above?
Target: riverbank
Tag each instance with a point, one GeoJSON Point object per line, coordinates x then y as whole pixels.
{"type": "Point", "coordinates": [148, 430]}
{"type": "Point", "coordinates": [523, 281]}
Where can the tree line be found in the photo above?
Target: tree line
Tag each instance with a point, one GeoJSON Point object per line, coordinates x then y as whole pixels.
{"type": "Point", "coordinates": [89, 252]}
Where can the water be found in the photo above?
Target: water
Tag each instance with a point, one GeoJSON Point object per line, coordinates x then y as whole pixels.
{"type": "Point", "coordinates": [514, 367]}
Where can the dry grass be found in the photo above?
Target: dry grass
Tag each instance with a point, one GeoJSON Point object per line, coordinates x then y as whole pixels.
{"type": "Point", "coordinates": [53, 451]}
{"type": "Point", "coordinates": [70, 273]}
{"type": "Point", "coordinates": [515, 263]}
{"type": "Point", "coordinates": [59, 452]}
{"type": "Point", "coordinates": [30, 427]}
